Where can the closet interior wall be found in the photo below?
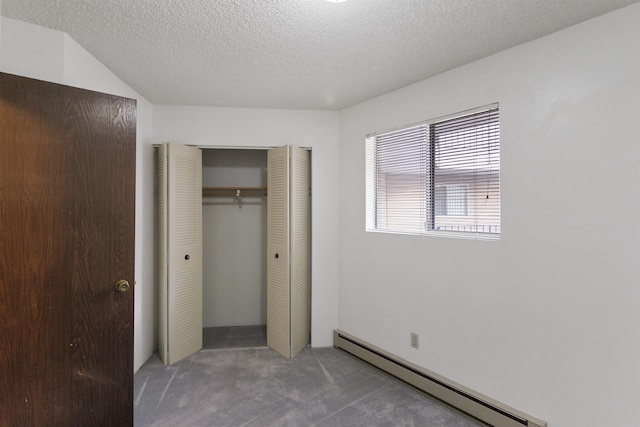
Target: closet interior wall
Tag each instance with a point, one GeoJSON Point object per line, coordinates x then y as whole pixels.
{"type": "Point", "coordinates": [234, 240]}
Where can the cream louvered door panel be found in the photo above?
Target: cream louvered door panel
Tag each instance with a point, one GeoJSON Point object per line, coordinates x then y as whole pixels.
{"type": "Point", "coordinates": [162, 207]}
{"type": "Point", "coordinates": [278, 293]}
{"type": "Point", "coordinates": [300, 281]}
{"type": "Point", "coordinates": [184, 249]}
{"type": "Point", "coordinates": [288, 236]}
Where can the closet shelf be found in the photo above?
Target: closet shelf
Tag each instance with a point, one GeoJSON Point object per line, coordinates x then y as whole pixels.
{"type": "Point", "coordinates": [234, 191]}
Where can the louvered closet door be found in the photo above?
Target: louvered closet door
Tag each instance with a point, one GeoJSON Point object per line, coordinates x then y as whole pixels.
{"type": "Point", "coordinates": [300, 289]}
{"type": "Point", "coordinates": [278, 300]}
{"type": "Point", "coordinates": [288, 283]}
{"type": "Point", "coordinates": [162, 166]}
{"type": "Point", "coordinates": [184, 252]}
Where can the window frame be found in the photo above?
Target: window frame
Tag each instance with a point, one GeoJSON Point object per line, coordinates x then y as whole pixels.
{"type": "Point", "coordinates": [429, 228]}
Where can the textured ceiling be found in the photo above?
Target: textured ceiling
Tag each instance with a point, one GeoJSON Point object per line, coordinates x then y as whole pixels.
{"type": "Point", "coordinates": [298, 54]}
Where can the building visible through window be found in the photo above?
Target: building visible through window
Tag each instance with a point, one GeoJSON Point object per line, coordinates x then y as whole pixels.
{"type": "Point", "coordinates": [451, 200]}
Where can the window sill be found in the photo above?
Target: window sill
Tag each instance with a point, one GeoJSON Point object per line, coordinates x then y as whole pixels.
{"type": "Point", "coordinates": [446, 234]}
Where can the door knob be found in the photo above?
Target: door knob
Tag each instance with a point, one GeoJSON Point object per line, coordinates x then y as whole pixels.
{"type": "Point", "coordinates": [122, 286]}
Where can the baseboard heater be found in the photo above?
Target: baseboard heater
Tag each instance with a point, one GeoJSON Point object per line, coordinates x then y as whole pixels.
{"type": "Point", "coordinates": [470, 401]}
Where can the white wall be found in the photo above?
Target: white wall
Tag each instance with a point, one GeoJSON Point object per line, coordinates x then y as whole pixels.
{"type": "Point", "coordinates": [234, 241]}
{"type": "Point", "coordinates": [33, 51]}
{"type": "Point", "coordinates": [548, 318]}
{"type": "Point", "coordinates": [318, 130]}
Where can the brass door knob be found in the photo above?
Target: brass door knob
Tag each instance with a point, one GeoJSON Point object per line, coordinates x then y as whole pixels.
{"type": "Point", "coordinates": [122, 286]}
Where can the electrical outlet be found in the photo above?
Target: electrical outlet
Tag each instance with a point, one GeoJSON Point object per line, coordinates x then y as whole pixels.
{"type": "Point", "coordinates": [414, 340]}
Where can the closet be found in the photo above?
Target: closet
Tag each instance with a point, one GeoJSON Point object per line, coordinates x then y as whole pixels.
{"type": "Point", "coordinates": [234, 224]}
{"type": "Point", "coordinates": [233, 245]}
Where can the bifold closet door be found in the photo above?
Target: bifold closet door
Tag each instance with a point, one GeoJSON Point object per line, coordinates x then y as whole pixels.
{"type": "Point", "coordinates": [300, 259]}
{"type": "Point", "coordinates": [278, 300]}
{"type": "Point", "coordinates": [180, 251]}
{"type": "Point", "coordinates": [288, 290]}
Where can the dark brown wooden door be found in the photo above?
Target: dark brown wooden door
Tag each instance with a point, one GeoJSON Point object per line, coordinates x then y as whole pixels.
{"type": "Point", "coordinates": [67, 195]}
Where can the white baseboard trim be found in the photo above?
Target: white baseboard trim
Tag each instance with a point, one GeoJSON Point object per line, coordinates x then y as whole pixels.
{"type": "Point", "coordinates": [467, 400]}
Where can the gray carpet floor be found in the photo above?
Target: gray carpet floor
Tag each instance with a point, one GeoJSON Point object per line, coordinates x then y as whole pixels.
{"type": "Point", "coordinates": [258, 387]}
{"type": "Point", "coordinates": [234, 337]}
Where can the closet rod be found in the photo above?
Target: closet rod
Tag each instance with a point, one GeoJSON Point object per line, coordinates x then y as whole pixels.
{"type": "Point", "coordinates": [234, 191]}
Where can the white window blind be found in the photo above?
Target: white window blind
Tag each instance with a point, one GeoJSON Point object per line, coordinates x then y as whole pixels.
{"type": "Point", "coordinates": [441, 176]}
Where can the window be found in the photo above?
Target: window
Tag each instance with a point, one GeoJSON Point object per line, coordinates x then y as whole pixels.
{"type": "Point", "coordinates": [441, 176]}
{"type": "Point", "coordinates": [451, 200]}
